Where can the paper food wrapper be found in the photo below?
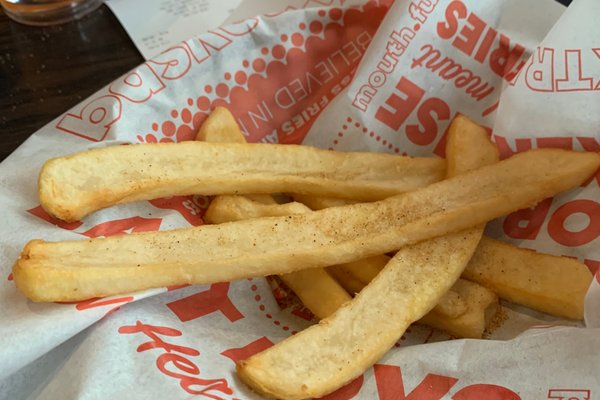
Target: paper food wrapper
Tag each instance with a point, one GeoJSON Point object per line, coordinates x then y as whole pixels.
{"type": "Point", "coordinates": [374, 77]}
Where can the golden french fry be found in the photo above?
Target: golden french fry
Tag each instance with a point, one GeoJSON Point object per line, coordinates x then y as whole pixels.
{"type": "Point", "coordinates": [543, 282]}
{"type": "Point", "coordinates": [319, 203]}
{"type": "Point", "coordinates": [324, 357]}
{"type": "Point", "coordinates": [315, 287]}
{"type": "Point", "coordinates": [220, 127]}
{"type": "Point", "coordinates": [479, 306]}
{"type": "Point", "coordinates": [77, 270]}
{"type": "Point", "coordinates": [551, 284]}
{"type": "Point", "coordinates": [236, 208]}
{"type": "Point", "coordinates": [355, 275]}
{"type": "Point", "coordinates": [451, 304]}
{"type": "Point", "coordinates": [328, 355]}
{"type": "Point", "coordinates": [74, 186]}
{"type": "Point", "coordinates": [546, 283]}
{"type": "Point", "coordinates": [317, 290]}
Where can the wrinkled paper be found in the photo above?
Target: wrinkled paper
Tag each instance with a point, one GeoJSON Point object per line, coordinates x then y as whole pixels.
{"type": "Point", "coordinates": [373, 77]}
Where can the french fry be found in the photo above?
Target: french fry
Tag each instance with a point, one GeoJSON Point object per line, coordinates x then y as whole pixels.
{"type": "Point", "coordinates": [236, 208]}
{"type": "Point", "coordinates": [220, 127]}
{"type": "Point", "coordinates": [464, 311]}
{"type": "Point", "coordinates": [551, 284]}
{"type": "Point", "coordinates": [319, 292]}
{"type": "Point", "coordinates": [315, 287]}
{"type": "Point", "coordinates": [355, 275]}
{"type": "Point", "coordinates": [326, 356]}
{"type": "Point", "coordinates": [479, 304]}
{"type": "Point", "coordinates": [77, 270]}
{"type": "Point", "coordinates": [323, 295]}
{"type": "Point", "coordinates": [74, 186]}
{"type": "Point", "coordinates": [320, 203]}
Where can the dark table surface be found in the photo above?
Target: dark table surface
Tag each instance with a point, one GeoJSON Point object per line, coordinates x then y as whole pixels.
{"type": "Point", "coordinates": [46, 71]}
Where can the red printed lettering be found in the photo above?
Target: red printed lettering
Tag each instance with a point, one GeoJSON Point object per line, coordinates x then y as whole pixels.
{"type": "Point", "coordinates": [485, 46]}
{"type": "Point", "coordinates": [96, 302]}
{"type": "Point", "coordinates": [191, 384]}
{"type": "Point", "coordinates": [102, 302]}
{"type": "Point", "coordinates": [192, 208]}
{"type": "Point", "coordinates": [526, 223]}
{"type": "Point", "coordinates": [590, 144]}
{"type": "Point", "coordinates": [503, 59]}
{"type": "Point", "coordinates": [203, 47]}
{"type": "Point", "coordinates": [476, 32]}
{"type": "Point", "coordinates": [94, 120]}
{"type": "Point", "coordinates": [241, 353]}
{"type": "Point", "coordinates": [505, 149]}
{"type": "Point", "coordinates": [425, 133]}
{"type": "Point", "coordinates": [421, 10]}
{"type": "Point", "coordinates": [155, 332]}
{"type": "Point", "coordinates": [401, 105]}
{"type": "Point", "coordinates": [539, 75]}
{"type": "Point", "coordinates": [123, 226]}
{"type": "Point", "coordinates": [485, 391]}
{"type": "Point", "coordinates": [176, 365]}
{"type": "Point", "coordinates": [569, 394]}
{"type": "Point", "coordinates": [573, 79]}
{"type": "Point", "coordinates": [390, 385]}
{"type": "Point", "coordinates": [566, 237]}
{"type": "Point", "coordinates": [456, 10]}
{"type": "Point", "coordinates": [593, 265]}
{"type": "Point", "coordinates": [41, 213]}
{"type": "Point", "coordinates": [206, 302]}
{"type": "Point", "coordinates": [139, 85]}
{"type": "Point", "coordinates": [346, 392]}
{"type": "Point", "coordinates": [173, 63]}
{"type": "Point", "coordinates": [469, 35]}
{"type": "Point", "coordinates": [555, 142]}
{"type": "Point", "coordinates": [450, 70]}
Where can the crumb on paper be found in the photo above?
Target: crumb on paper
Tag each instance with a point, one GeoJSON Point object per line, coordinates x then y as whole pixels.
{"type": "Point", "coordinates": [496, 322]}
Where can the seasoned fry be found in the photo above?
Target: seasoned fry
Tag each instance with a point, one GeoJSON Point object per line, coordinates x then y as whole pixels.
{"type": "Point", "coordinates": [323, 295]}
{"type": "Point", "coordinates": [315, 287]}
{"type": "Point", "coordinates": [551, 284]}
{"type": "Point", "coordinates": [354, 276]}
{"type": "Point", "coordinates": [319, 292]}
{"type": "Point", "coordinates": [74, 186]}
{"type": "Point", "coordinates": [326, 356]}
{"type": "Point", "coordinates": [546, 283]}
{"type": "Point", "coordinates": [220, 127]}
{"type": "Point", "coordinates": [77, 270]}
{"type": "Point", "coordinates": [479, 305]}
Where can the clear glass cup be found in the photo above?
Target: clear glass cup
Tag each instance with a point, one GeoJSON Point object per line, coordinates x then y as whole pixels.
{"type": "Point", "coordinates": [47, 12]}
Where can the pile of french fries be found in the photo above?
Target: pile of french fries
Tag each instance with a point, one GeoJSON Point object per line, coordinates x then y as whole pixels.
{"type": "Point", "coordinates": [330, 245]}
